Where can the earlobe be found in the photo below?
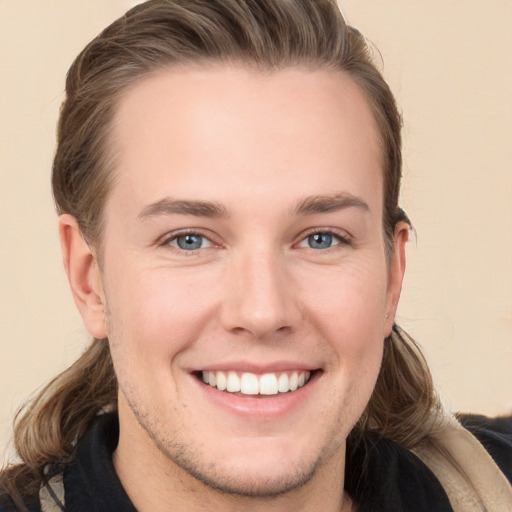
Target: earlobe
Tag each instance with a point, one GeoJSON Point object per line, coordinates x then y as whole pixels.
{"type": "Point", "coordinates": [396, 273]}
{"type": "Point", "coordinates": [81, 266]}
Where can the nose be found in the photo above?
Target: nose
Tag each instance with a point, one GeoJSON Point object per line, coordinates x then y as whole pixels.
{"type": "Point", "coordinates": [260, 297]}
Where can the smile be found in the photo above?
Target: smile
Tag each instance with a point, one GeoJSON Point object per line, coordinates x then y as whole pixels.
{"type": "Point", "coordinates": [252, 384]}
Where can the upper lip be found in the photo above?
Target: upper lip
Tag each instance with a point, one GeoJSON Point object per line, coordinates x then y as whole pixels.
{"type": "Point", "coordinates": [261, 368]}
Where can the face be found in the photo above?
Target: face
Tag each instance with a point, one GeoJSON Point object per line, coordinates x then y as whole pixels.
{"type": "Point", "coordinates": [245, 273]}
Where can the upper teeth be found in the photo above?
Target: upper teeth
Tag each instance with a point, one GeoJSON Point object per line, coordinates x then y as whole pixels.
{"type": "Point", "coordinates": [253, 384]}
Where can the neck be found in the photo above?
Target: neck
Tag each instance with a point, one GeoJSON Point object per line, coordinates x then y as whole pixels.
{"type": "Point", "coordinates": [154, 483]}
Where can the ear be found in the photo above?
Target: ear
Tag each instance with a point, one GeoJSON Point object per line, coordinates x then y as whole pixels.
{"type": "Point", "coordinates": [396, 273]}
{"type": "Point", "coordinates": [84, 276]}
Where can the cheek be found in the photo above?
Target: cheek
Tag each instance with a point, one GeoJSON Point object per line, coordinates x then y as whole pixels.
{"type": "Point", "coordinates": [157, 314]}
{"type": "Point", "coordinates": [348, 303]}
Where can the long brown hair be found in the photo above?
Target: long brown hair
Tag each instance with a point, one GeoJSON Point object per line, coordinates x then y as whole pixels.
{"type": "Point", "coordinates": [263, 34]}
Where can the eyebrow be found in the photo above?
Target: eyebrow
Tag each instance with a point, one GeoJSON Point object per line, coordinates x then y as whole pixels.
{"type": "Point", "coordinates": [307, 206]}
{"type": "Point", "coordinates": [169, 206]}
{"type": "Point", "coordinates": [329, 203]}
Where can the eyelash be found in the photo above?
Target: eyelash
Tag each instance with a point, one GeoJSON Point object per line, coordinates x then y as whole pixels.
{"type": "Point", "coordinates": [342, 237]}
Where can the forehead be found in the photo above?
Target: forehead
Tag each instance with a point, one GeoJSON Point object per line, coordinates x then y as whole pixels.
{"type": "Point", "coordinates": [229, 131]}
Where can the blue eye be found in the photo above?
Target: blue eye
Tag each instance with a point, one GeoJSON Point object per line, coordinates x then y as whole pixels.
{"type": "Point", "coordinates": [186, 242]}
{"type": "Point", "coordinates": [189, 242]}
{"type": "Point", "coordinates": [320, 240]}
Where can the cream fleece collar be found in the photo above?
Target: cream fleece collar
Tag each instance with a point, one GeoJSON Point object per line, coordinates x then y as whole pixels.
{"type": "Point", "coordinates": [468, 474]}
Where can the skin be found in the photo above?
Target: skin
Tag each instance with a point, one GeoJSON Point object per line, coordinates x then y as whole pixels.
{"type": "Point", "coordinates": [255, 144]}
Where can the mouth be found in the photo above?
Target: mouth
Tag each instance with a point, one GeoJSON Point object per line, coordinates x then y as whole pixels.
{"type": "Point", "coordinates": [253, 384]}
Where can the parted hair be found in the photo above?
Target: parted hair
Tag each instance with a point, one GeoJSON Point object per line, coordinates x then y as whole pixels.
{"type": "Point", "coordinates": [159, 34]}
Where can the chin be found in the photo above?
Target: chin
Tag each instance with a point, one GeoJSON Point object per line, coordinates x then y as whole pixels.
{"type": "Point", "coordinates": [245, 480]}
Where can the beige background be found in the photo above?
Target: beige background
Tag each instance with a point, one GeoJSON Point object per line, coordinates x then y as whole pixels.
{"type": "Point", "coordinates": [450, 65]}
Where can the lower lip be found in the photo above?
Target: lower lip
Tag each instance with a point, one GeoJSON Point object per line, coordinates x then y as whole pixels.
{"type": "Point", "coordinates": [254, 406]}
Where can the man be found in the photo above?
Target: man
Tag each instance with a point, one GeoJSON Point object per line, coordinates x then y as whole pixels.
{"type": "Point", "coordinates": [227, 179]}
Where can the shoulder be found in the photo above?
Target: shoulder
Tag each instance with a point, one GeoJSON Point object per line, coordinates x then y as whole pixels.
{"type": "Point", "coordinates": [7, 504]}
{"type": "Point", "coordinates": [495, 435]}
{"type": "Point", "coordinates": [14, 499]}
